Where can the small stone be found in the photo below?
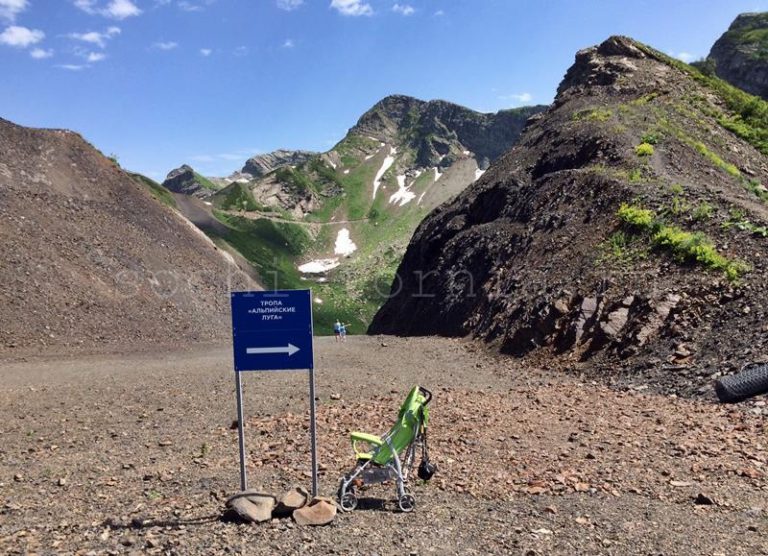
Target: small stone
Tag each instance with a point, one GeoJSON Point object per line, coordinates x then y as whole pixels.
{"type": "Point", "coordinates": [18, 477]}
{"type": "Point", "coordinates": [164, 443]}
{"type": "Point", "coordinates": [62, 482]}
{"type": "Point", "coordinates": [703, 500]}
{"type": "Point", "coordinates": [550, 510]}
{"type": "Point", "coordinates": [750, 472]}
{"type": "Point", "coordinates": [679, 483]}
{"type": "Point", "coordinates": [335, 396]}
{"type": "Point", "coordinates": [581, 487]}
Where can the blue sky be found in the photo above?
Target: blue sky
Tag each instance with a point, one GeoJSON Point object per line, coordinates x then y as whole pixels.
{"type": "Point", "coordinates": [212, 82]}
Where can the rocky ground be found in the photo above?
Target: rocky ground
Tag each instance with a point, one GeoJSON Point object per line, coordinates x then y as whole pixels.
{"type": "Point", "coordinates": [136, 454]}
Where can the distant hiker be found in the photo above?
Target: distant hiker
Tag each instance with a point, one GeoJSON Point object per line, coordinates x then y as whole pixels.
{"type": "Point", "coordinates": [343, 332]}
{"type": "Point", "coordinates": [337, 326]}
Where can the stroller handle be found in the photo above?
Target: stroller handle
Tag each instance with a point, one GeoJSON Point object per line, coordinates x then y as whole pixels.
{"type": "Point", "coordinates": [426, 393]}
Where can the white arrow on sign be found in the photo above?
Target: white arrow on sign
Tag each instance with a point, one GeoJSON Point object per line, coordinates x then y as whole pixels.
{"type": "Point", "coordinates": [290, 349]}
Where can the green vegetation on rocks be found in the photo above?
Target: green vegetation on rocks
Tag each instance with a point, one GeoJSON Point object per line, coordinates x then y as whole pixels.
{"type": "Point", "coordinates": [158, 191]}
{"type": "Point", "coordinates": [684, 246]}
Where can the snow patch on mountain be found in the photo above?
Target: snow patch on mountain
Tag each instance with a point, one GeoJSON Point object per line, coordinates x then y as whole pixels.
{"type": "Point", "coordinates": [386, 165]}
{"type": "Point", "coordinates": [319, 266]}
{"type": "Point", "coordinates": [344, 244]}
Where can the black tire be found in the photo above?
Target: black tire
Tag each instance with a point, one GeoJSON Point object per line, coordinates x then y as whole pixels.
{"type": "Point", "coordinates": [750, 381]}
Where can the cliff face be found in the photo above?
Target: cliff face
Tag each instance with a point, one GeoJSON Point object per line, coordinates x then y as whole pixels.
{"type": "Point", "coordinates": [262, 164]}
{"type": "Point", "coordinates": [740, 56]}
{"type": "Point", "coordinates": [587, 240]}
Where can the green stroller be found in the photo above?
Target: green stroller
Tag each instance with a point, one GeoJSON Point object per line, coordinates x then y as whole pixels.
{"type": "Point", "coordinates": [381, 461]}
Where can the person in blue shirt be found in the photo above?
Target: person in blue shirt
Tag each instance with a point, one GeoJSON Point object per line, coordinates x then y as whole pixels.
{"type": "Point", "coordinates": [343, 332]}
{"type": "Point", "coordinates": [337, 330]}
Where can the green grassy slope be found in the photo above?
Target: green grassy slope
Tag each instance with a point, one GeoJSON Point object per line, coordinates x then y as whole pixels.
{"type": "Point", "coordinates": [276, 244]}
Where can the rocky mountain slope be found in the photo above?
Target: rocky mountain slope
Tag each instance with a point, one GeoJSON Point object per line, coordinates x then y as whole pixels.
{"type": "Point", "coordinates": [740, 56]}
{"type": "Point", "coordinates": [186, 181]}
{"type": "Point", "coordinates": [628, 224]}
{"type": "Point", "coordinates": [262, 164]}
{"type": "Point", "coordinates": [339, 221]}
{"type": "Point", "coordinates": [91, 258]}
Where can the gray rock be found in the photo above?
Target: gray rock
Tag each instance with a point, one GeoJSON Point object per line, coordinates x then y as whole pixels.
{"type": "Point", "coordinates": [739, 57]}
{"type": "Point", "coordinates": [263, 164]}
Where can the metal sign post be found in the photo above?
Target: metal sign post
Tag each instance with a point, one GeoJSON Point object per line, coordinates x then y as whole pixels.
{"type": "Point", "coordinates": [272, 330]}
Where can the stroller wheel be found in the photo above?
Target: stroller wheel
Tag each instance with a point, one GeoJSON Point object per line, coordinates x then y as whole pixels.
{"type": "Point", "coordinates": [407, 503]}
{"type": "Point", "coordinates": [348, 501]}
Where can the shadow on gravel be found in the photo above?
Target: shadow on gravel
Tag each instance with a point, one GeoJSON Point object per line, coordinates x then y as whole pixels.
{"type": "Point", "coordinates": [373, 504]}
{"type": "Point", "coordinates": [142, 523]}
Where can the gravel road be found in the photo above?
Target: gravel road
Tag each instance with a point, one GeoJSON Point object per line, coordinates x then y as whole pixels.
{"type": "Point", "coordinates": [134, 453]}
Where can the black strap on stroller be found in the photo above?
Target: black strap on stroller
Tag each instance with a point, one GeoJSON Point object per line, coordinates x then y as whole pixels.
{"type": "Point", "coordinates": [426, 467]}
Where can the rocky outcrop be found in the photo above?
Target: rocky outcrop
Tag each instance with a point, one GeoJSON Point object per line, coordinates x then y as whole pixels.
{"type": "Point", "coordinates": [535, 259]}
{"type": "Point", "coordinates": [740, 56]}
{"type": "Point", "coordinates": [186, 181]}
{"type": "Point", "coordinates": [262, 164]}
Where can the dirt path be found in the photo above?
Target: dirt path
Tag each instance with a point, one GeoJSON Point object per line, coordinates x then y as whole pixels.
{"type": "Point", "coordinates": [255, 215]}
{"type": "Point", "coordinates": [135, 453]}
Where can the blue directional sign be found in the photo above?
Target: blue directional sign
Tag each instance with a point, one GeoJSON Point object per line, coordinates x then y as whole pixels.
{"type": "Point", "coordinates": [272, 330]}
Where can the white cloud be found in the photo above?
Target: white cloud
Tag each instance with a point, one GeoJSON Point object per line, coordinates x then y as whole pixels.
{"type": "Point", "coordinates": [240, 51]}
{"type": "Point", "coordinates": [40, 53]}
{"type": "Point", "coordinates": [189, 6]}
{"type": "Point", "coordinates": [94, 37]}
{"type": "Point", "coordinates": [9, 9]}
{"type": "Point", "coordinates": [115, 9]}
{"type": "Point", "coordinates": [206, 52]}
{"type": "Point", "coordinates": [519, 98]}
{"type": "Point", "coordinates": [169, 45]}
{"type": "Point", "coordinates": [352, 7]}
{"type": "Point", "coordinates": [95, 56]}
{"type": "Point", "coordinates": [219, 162]}
{"type": "Point", "coordinates": [289, 5]}
{"type": "Point", "coordinates": [404, 9]}
{"type": "Point", "coordinates": [20, 37]}
{"type": "Point", "coordinates": [439, 13]}
{"type": "Point", "coordinates": [72, 67]}
{"type": "Point", "coordinates": [684, 56]}
{"type": "Point", "coordinates": [120, 9]}
{"type": "Point", "coordinates": [288, 43]}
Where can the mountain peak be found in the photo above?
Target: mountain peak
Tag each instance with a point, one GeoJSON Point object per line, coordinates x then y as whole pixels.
{"type": "Point", "coordinates": [740, 55]}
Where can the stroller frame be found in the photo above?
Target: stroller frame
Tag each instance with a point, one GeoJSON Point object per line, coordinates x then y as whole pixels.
{"type": "Point", "coordinates": [383, 463]}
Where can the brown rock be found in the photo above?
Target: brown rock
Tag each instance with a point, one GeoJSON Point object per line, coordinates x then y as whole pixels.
{"type": "Point", "coordinates": [320, 511]}
{"type": "Point", "coordinates": [295, 498]}
{"type": "Point", "coordinates": [252, 505]}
